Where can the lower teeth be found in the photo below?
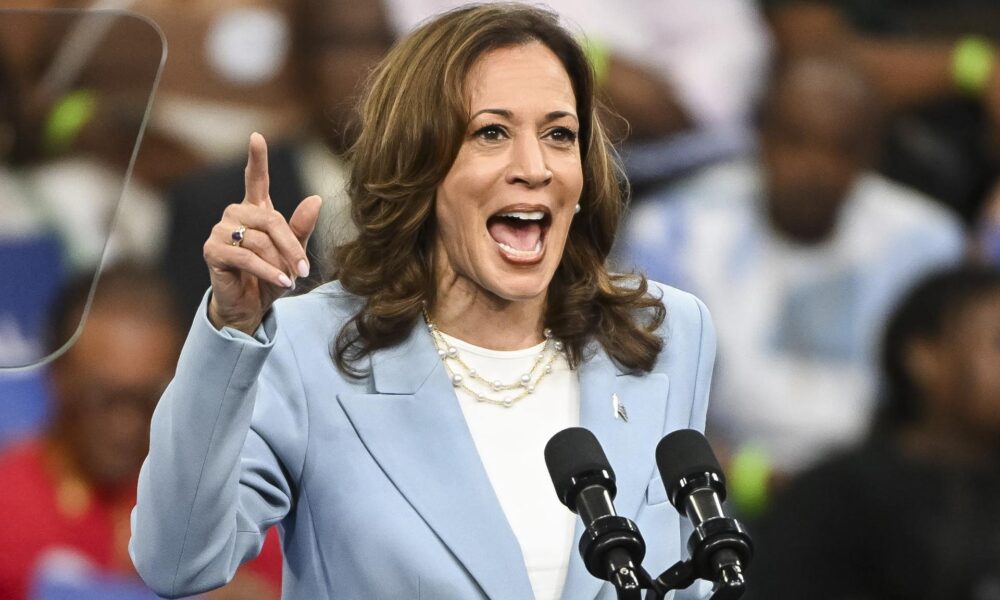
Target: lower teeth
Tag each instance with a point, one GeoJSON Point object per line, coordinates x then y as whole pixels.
{"type": "Point", "coordinates": [525, 253]}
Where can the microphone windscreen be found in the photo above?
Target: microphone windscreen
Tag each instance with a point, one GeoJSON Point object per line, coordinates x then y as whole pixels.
{"type": "Point", "coordinates": [684, 453]}
{"type": "Point", "coordinates": [573, 453]}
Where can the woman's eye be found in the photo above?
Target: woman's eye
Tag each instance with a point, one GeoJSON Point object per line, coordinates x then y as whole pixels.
{"type": "Point", "coordinates": [491, 133]}
{"type": "Point", "coordinates": [563, 135]}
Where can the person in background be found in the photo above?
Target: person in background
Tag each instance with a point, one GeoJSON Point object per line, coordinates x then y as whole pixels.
{"type": "Point", "coordinates": [59, 182]}
{"type": "Point", "coordinates": [935, 65]}
{"type": "Point", "coordinates": [230, 69]}
{"type": "Point", "coordinates": [911, 512]}
{"type": "Point", "coordinates": [988, 229]}
{"type": "Point", "coordinates": [56, 215]}
{"type": "Point", "coordinates": [335, 43]}
{"type": "Point", "coordinates": [68, 492]}
{"type": "Point", "coordinates": [800, 255]}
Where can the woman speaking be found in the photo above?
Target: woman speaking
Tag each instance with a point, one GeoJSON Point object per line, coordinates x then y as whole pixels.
{"type": "Point", "coordinates": [391, 422]}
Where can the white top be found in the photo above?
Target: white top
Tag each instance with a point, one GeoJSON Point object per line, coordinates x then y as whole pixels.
{"type": "Point", "coordinates": [511, 441]}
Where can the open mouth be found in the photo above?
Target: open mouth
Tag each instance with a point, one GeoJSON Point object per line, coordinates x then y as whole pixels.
{"type": "Point", "coordinates": [520, 234]}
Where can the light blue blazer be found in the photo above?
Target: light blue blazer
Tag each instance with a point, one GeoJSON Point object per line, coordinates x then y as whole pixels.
{"type": "Point", "coordinates": [376, 485]}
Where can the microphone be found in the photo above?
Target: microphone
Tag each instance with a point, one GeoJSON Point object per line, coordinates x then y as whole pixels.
{"type": "Point", "coordinates": [720, 547]}
{"type": "Point", "coordinates": [611, 546]}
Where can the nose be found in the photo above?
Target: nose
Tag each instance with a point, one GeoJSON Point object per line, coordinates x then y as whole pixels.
{"type": "Point", "coordinates": [527, 163]}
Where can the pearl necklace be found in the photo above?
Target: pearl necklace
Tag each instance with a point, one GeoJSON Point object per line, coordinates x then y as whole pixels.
{"type": "Point", "coordinates": [461, 374]}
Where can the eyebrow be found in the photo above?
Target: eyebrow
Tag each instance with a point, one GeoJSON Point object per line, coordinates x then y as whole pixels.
{"type": "Point", "coordinates": [507, 114]}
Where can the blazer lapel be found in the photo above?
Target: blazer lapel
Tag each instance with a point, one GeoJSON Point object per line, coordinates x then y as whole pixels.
{"type": "Point", "coordinates": [629, 444]}
{"type": "Point", "coordinates": [415, 430]}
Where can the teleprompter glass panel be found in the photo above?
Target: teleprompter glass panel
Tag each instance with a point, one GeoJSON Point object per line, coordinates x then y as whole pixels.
{"type": "Point", "coordinates": [75, 92]}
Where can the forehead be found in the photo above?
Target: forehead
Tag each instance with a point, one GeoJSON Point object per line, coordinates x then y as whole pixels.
{"type": "Point", "coordinates": [820, 102]}
{"type": "Point", "coordinates": [124, 345]}
{"type": "Point", "coordinates": [982, 314]}
{"type": "Point", "coordinates": [525, 76]}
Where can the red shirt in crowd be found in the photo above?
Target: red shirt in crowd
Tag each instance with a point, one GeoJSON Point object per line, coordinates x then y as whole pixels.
{"type": "Point", "coordinates": [45, 509]}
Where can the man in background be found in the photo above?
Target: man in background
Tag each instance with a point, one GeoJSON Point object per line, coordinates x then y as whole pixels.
{"type": "Point", "coordinates": [799, 255]}
{"type": "Point", "coordinates": [69, 492]}
{"type": "Point", "coordinates": [937, 69]}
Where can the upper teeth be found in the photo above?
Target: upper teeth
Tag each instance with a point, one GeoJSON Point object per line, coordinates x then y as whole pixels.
{"type": "Point", "coordinates": [536, 215]}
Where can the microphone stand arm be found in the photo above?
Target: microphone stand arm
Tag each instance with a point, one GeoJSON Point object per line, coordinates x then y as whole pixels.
{"type": "Point", "coordinates": [680, 576]}
{"type": "Point", "coordinates": [719, 548]}
{"type": "Point", "coordinates": [612, 549]}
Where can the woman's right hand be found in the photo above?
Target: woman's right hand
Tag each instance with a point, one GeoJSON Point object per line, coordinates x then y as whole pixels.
{"type": "Point", "coordinates": [247, 277]}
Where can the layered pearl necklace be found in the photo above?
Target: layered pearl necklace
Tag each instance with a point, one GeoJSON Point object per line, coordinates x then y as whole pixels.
{"type": "Point", "coordinates": [479, 386]}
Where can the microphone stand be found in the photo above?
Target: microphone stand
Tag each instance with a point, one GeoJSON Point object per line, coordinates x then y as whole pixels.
{"type": "Point", "coordinates": [718, 548]}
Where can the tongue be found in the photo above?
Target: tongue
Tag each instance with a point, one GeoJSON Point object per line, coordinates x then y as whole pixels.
{"type": "Point", "coordinates": [520, 235]}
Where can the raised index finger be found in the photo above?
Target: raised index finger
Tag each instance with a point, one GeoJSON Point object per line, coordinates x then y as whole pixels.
{"type": "Point", "coordinates": [255, 176]}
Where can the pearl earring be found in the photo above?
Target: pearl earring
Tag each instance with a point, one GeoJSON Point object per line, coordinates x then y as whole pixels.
{"type": "Point", "coordinates": [577, 209]}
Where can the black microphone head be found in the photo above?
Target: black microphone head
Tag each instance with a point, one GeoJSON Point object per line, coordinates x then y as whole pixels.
{"type": "Point", "coordinates": [575, 459]}
{"type": "Point", "coordinates": [684, 454]}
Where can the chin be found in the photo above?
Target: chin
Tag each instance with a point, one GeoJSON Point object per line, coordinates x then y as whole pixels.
{"type": "Point", "coordinates": [518, 287]}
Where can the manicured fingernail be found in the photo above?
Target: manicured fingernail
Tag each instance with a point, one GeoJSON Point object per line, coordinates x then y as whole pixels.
{"type": "Point", "coordinates": [284, 280]}
{"type": "Point", "coordinates": [303, 268]}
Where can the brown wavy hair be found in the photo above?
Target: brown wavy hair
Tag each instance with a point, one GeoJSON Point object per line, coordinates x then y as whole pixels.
{"type": "Point", "coordinates": [412, 121]}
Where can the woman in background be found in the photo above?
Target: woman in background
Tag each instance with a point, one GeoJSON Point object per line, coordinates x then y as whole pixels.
{"type": "Point", "coordinates": [912, 513]}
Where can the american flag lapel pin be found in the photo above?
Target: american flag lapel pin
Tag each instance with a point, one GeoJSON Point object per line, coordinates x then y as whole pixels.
{"type": "Point", "coordinates": [619, 408]}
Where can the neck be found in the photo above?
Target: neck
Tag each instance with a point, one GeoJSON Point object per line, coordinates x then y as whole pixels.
{"type": "Point", "coordinates": [471, 314]}
{"type": "Point", "coordinates": [798, 232]}
{"type": "Point", "coordinates": [64, 459]}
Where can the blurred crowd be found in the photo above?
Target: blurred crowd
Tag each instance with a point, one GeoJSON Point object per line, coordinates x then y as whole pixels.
{"type": "Point", "coordinates": [822, 173]}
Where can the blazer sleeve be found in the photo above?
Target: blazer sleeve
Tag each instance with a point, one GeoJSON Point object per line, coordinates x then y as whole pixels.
{"type": "Point", "coordinates": [227, 443]}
